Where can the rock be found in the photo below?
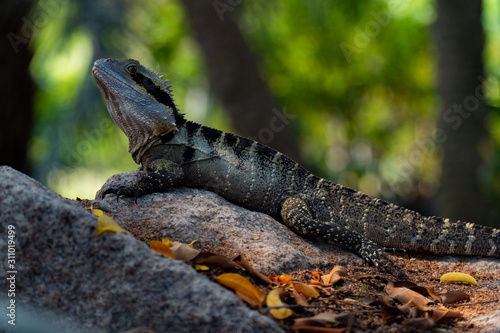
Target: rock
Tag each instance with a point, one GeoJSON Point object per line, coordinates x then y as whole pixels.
{"type": "Point", "coordinates": [492, 321]}
{"type": "Point", "coordinates": [109, 283]}
{"type": "Point", "coordinates": [221, 227]}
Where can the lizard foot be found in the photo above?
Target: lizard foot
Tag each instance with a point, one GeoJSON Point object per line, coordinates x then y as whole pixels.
{"type": "Point", "coordinates": [375, 255]}
{"type": "Point", "coordinates": [122, 191]}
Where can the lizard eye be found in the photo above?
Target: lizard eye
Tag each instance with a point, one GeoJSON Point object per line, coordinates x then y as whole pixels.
{"type": "Point", "coordinates": [132, 69]}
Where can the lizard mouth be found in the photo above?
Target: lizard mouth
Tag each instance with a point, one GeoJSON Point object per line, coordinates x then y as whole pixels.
{"type": "Point", "coordinates": [97, 73]}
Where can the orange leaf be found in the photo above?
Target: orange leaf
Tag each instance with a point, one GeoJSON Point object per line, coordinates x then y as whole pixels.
{"type": "Point", "coordinates": [335, 275]}
{"type": "Point", "coordinates": [317, 275]}
{"type": "Point", "coordinates": [243, 288]}
{"type": "Point", "coordinates": [284, 279]}
{"type": "Point", "coordinates": [161, 248]}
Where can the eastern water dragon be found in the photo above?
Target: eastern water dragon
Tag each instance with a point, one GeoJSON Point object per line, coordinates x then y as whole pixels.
{"type": "Point", "coordinates": [176, 152]}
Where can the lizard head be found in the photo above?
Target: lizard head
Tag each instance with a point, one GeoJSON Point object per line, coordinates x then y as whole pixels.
{"type": "Point", "coordinates": [138, 100]}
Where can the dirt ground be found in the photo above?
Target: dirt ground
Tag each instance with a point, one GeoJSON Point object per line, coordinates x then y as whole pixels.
{"type": "Point", "coordinates": [363, 305]}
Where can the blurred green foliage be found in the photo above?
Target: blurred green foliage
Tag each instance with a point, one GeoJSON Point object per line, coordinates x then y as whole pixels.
{"type": "Point", "coordinates": [360, 76]}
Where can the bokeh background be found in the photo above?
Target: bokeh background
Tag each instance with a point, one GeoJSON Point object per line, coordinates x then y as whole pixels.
{"type": "Point", "coordinates": [397, 99]}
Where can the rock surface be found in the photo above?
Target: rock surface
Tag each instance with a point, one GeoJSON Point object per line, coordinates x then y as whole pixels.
{"type": "Point", "coordinates": [221, 227]}
{"type": "Point", "coordinates": [110, 283]}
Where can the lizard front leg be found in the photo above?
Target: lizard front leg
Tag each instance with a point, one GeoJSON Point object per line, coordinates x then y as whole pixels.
{"type": "Point", "coordinates": [297, 217]}
{"type": "Point", "coordinates": [159, 175]}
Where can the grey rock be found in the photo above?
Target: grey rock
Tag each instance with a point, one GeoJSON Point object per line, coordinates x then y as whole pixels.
{"type": "Point", "coordinates": [185, 214]}
{"type": "Point", "coordinates": [492, 321]}
{"type": "Point", "coordinates": [109, 283]}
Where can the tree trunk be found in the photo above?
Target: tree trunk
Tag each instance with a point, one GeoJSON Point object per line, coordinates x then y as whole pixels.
{"type": "Point", "coordinates": [234, 77]}
{"type": "Point", "coordinates": [460, 41]}
{"type": "Point", "coordinates": [16, 87]}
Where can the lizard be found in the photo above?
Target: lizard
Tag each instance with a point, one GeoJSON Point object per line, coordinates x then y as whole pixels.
{"type": "Point", "coordinates": [173, 151]}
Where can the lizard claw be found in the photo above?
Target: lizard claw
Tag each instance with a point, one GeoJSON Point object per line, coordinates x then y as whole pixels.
{"type": "Point", "coordinates": [376, 255]}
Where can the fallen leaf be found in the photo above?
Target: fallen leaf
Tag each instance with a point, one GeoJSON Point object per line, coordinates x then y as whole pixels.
{"type": "Point", "coordinates": [457, 277]}
{"type": "Point", "coordinates": [201, 267]}
{"type": "Point", "coordinates": [299, 298]}
{"type": "Point", "coordinates": [106, 223]}
{"type": "Point", "coordinates": [389, 314]}
{"type": "Point", "coordinates": [422, 324]}
{"type": "Point", "coordinates": [243, 288]}
{"type": "Point", "coordinates": [183, 251]}
{"type": "Point", "coordinates": [242, 261]}
{"type": "Point", "coordinates": [161, 248]}
{"type": "Point", "coordinates": [305, 289]}
{"type": "Point", "coordinates": [318, 322]}
{"type": "Point", "coordinates": [405, 295]}
{"type": "Point", "coordinates": [97, 212]}
{"type": "Point", "coordinates": [336, 275]}
{"type": "Point", "coordinates": [166, 241]}
{"type": "Point", "coordinates": [207, 258]}
{"type": "Point", "coordinates": [317, 275]}
{"type": "Point", "coordinates": [454, 296]}
{"type": "Point", "coordinates": [273, 299]}
{"type": "Point", "coordinates": [282, 279]}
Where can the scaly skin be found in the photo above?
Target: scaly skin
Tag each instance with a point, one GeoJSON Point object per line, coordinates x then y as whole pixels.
{"type": "Point", "coordinates": [177, 152]}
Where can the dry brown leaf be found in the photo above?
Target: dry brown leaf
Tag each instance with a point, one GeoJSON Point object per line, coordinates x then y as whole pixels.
{"type": "Point", "coordinates": [273, 299]}
{"type": "Point", "coordinates": [243, 288]}
{"type": "Point", "coordinates": [440, 313]}
{"type": "Point", "coordinates": [404, 283]}
{"type": "Point", "coordinates": [454, 296]}
{"type": "Point", "coordinates": [161, 248]}
{"type": "Point", "coordinates": [319, 283]}
{"type": "Point", "coordinates": [207, 258]}
{"type": "Point", "coordinates": [389, 314]}
{"type": "Point", "coordinates": [242, 261]}
{"type": "Point", "coordinates": [299, 298]}
{"type": "Point", "coordinates": [316, 323]}
{"type": "Point", "coordinates": [405, 295]}
{"type": "Point", "coordinates": [433, 294]}
{"type": "Point", "coordinates": [317, 329]}
{"type": "Point", "coordinates": [305, 289]}
{"type": "Point", "coordinates": [422, 324]}
{"type": "Point", "coordinates": [336, 275]}
{"type": "Point", "coordinates": [183, 251]}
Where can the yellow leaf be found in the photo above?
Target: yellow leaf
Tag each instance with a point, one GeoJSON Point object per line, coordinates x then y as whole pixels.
{"type": "Point", "coordinates": [201, 267]}
{"type": "Point", "coordinates": [166, 241]}
{"type": "Point", "coordinates": [243, 288]}
{"type": "Point", "coordinates": [106, 223]}
{"type": "Point", "coordinates": [192, 243]}
{"type": "Point", "coordinates": [97, 212]}
{"type": "Point", "coordinates": [273, 299]}
{"type": "Point", "coordinates": [457, 277]}
{"type": "Point", "coordinates": [160, 247]}
{"type": "Point", "coordinates": [305, 289]}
